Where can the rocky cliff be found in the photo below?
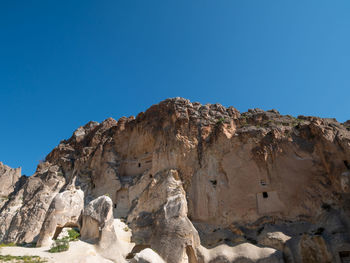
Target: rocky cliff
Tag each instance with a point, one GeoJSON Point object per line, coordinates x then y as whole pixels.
{"type": "Point", "coordinates": [195, 183]}
{"type": "Point", "coordinates": [10, 181]}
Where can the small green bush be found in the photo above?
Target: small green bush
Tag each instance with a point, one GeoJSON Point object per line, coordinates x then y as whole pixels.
{"type": "Point", "coordinates": [73, 235]}
{"type": "Point", "coordinates": [8, 245]}
{"type": "Point", "coordinates": [60, 245]}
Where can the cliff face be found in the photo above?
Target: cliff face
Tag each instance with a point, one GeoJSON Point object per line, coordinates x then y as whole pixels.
{"type": "Point", "coordinates": [237, 179]}
{"type": "Point", "coordinates": [9, 177]}
{"type": "Point", "coordinates": [10, 180]}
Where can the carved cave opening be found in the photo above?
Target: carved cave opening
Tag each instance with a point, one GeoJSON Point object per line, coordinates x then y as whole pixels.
{"type": "Point", "coordinates": [344, 256]}
{"type": "Point", "coordinates": [214, 182]}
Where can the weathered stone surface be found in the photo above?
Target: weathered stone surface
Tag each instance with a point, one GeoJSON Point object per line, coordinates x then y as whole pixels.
{"type": "Point", "coordinates": [243, 253]}
{"type": "Point", "coordinates": [313, 249]}
{"type": "Point", "coordinates": [275, 240]}
{"type": "Point", "coordinates": [64, 211]}
{"type": "Point", "coordinates": [96, 215]}
{"type": "Point", "coordinates": [232, 174]}
{"type": "Point", "coordinates": [23, 215]}
{"type": "Point", "coordinates": [9, 178]}
{"type": "Point", "coordinates": [147, 256]}
{"type": "Point", "coordinates": [160, 219]}
{"type": "Point", "coordinates": [97, 226]}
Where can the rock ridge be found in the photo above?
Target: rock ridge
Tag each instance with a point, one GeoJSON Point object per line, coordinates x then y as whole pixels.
{"type": "Point", "coordinates": [206, 181]}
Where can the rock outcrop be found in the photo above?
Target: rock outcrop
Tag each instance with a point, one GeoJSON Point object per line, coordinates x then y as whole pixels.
{"type": "Point", "coordinates": [10, 179]}
{"type": "Point", "coordinates": [97, 227]}
{"type": "Point", "coordinates": [64, 211]}
{"type": "Point", "coordinates": [147, 256]}
{"type": "Point", "coordinates": [198, 183]}
{"type": "Point", "coordinates": [23, 215]}
{"type": "Point", "coordinates": [275, 240]}
{"type": "Point", "coordinates": [160, 220]}
{"type": "Point", "coordinates": [242, 253]}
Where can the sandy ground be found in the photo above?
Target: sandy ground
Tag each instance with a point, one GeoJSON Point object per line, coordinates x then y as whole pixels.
{"type": "Point", "coordinates": [79, 251]}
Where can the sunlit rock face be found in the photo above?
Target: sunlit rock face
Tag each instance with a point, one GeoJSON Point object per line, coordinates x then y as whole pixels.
{"type": "Point", "coordinates": [201, 183]}
{"type": "Point", "coordinates": [64, 211]}
{"type": "Point", "coordinates": [10, 181]}
{"type": "Point", "coordinates": [9, 178]}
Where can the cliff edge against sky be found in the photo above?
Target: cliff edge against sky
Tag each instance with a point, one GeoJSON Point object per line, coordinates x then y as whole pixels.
{"type": "Point", "coordinates": [193, 183]}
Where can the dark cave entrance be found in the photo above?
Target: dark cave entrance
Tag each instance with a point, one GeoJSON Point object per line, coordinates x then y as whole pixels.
{"type": "Point", "coordinates": [344, 256]}
{"type": "Point", "coordinates": [214, 182]}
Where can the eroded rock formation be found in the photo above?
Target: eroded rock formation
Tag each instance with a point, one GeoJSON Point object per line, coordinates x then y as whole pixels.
{"type": "Point", "coordinates": [64, 211]}
{"type": "Point", "coordinates": [197, 183]}
{"type": "Point", "coordinates": [10, 180]}
{"type": "Point", "coordinates": [97, 227]}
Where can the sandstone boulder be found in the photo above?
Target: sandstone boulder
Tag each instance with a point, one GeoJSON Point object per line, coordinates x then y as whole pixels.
{"type": "Point", "coordinates": [64, 211]}
{"type": "Point", "coordinates": [314, 249]}
{"type": "Point", "coordinates": [275, 240]}
{"type": "Point", "coordinates": [97, 227]}
{"type": "Point", "coordinates": [96, 215]}
{"type": "Point", "coordinates": [160, 219]}
{"type": "Point", "coordinates": [243, 253]}
{"type": "Point", "coordinates": [147, 256]}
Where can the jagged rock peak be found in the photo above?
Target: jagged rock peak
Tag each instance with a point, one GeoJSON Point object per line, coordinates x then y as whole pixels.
{"type": "Point", "coordinates": [8, 178]}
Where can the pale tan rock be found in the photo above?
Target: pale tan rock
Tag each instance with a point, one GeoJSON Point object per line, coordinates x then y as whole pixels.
{"type": "Point", "coordinates": [8, 178]}
{"type": "Point", "coordinates": [160, 219]}
{"type": "Point", "coordinates": [147, 256]}
{"type": "Point", "coordinates": [242, 253]}
{"type": "Point", "coordinates": [275, 240]}
{"type": "Point", "coordinates": [23, 216]}
{"type": "Point", "coordinates": [94, 259]}
{"type": "Point", "coordinates": [313, 249]}
{"type": "Point", "coordinates": [64, 211]}
{"type": "Point", "coordinates": [97, 226]}
{"type": "Point", "coordinates": [235, 172]}
{"type": "Point", "coordinates": [96, 215]}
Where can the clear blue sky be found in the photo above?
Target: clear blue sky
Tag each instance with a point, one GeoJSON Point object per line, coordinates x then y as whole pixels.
{"type": "Point", "coordinates": [64, 63]}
